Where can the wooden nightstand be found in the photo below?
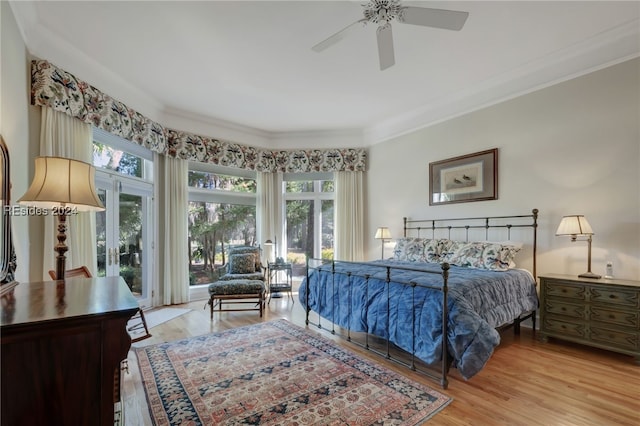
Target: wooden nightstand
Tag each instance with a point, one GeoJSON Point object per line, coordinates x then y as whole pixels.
{"type": "Point", "coordinates": [603, 313]}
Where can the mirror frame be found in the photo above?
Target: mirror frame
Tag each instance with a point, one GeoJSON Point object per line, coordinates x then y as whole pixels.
{"type": "Point", "coordinates": [7, 252]}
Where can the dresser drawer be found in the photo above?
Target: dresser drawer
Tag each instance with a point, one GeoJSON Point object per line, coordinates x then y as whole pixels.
{"type": "Point", "coordinates": [559, 307]}
{"type": "Point", "coordinates": [628, 318]}
{"type": "Point", "coordinates": [617, 338]}
{"type": "Point", "coordinates": [564, 328]}
{"type": "Point", "coordinates": [614, 296]}
{"type": "Point", "coordinates": [570, 291]}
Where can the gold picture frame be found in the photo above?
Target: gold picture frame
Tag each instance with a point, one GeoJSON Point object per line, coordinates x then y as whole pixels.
{"type": "Point", "coordinates": [472, 177]}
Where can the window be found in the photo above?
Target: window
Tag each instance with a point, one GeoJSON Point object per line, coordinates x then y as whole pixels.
{"type": "Point", "coordinates": [222, 212]}
{"type": "Point", "coordinates": [124, 231]}
{"type": "Point", "coordinates": [309, 220]}
{"type": "Point", "coordinates": [114, 154]}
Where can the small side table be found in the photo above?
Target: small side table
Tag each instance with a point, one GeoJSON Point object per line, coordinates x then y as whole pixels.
{"type": "Point", "coordinates": [275, 286]}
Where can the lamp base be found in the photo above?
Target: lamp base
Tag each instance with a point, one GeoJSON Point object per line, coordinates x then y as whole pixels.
{"type": "Point", "coordinates": [590, 275]}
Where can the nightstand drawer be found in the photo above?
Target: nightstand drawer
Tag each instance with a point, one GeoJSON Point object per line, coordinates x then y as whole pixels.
{"type": "Point", "coordinates": [626, 318]}
{"type": "Point", "coordinates": [615, 297]}
{"type": "Point", "coordinates": [564, 328]}
{"type": "Point", "coordinates": [617, 338]}
{"type": "Point", "coordinates": [570, 291]}
{"type": "Point", "coordinates": [557, 307]}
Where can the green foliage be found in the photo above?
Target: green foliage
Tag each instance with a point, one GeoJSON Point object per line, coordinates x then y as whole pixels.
{"type": "Point", "coordinates": [327, 253]}
{"type": "Point", "coordinates": [130, 220]}
{"type": "Point", "coordinates": [120, 161]}
{"type": "Point", "coordinates": [128, 274]}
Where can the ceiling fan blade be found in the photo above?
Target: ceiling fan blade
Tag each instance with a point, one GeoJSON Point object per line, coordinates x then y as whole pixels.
{"type": "Point", "coordinates": [337, 36]}
{"type": "Point", "coordinates": [437, 18]}
{"type": "Point", "coordinates": [385, 46]}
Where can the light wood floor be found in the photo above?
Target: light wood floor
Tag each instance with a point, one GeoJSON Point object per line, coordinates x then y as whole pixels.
{"type": "Point", "coordinates": [526, 382]}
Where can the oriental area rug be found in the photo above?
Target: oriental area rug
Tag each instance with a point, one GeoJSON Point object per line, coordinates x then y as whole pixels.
{"type": "Point", "coordinates": [276, 373]}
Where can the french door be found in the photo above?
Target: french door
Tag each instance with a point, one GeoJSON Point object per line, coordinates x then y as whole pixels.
{"type": "Point", "coordinates": [124, 232]}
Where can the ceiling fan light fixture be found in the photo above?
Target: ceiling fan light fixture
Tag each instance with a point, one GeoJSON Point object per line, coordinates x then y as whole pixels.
{"type": "Point", "coordinates": [382, 11]}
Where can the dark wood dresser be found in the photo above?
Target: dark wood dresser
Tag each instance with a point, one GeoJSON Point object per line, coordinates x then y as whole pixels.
{"type": "Point", "coordinates": [62, 344]}
{"type": "Point", "coordinates": [604, 313]}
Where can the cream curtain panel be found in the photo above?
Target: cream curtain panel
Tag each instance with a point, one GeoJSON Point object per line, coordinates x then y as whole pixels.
{"type": "Point", "coordinates": [349, 216]}
{"type": "Point", "coordinates": [269, 210]}
{"type": "Point", "coordinates": [64, 136]}
{"type": "Point", "coordinates": [171, 181]}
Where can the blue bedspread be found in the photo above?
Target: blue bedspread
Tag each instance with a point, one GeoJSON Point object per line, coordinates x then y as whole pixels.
{"type": "Point", "coordinates": [478, 302]}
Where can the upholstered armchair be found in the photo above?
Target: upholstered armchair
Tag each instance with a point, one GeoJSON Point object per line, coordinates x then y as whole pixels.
{"type": "Point", "coordinates": [244, 264]}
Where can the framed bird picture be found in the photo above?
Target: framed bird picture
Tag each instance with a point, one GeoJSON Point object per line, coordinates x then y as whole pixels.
{"type": "Point", "coordinates": [472, 177]}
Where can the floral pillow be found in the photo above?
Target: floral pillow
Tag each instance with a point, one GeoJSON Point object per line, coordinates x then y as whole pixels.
{"type": "Point", "coordinates": [465, 254]}
{"type": "Point", "coordinates": [242, 263]}
{"type": "Point", "coordinates": [410, 249]}
{"type": "Point", "coordinates": [255, 251]}
{"type": "Point", "coordinates": [499, 257]}
{"type": "Point", "coordinates": [481, 255]}
{"type": "Point", "coordinates": [418, 250]}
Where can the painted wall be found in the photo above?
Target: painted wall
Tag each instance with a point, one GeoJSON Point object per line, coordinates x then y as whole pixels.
{"type": "Point", "coordinates": [572, 148]}
{"type": "Point", "coordinates": [20, 128]}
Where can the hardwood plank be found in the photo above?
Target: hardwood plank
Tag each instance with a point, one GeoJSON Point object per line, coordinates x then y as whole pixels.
{"type": "Point", "coordinates": [526, 382]}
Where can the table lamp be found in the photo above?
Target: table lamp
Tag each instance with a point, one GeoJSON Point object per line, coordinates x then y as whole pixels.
{"type": "Point", "coordinates": [62, 186]}
{"type": "Point", "coordinates": [383, 234]}
{"type": "Point", "coordinates": [577, 225]}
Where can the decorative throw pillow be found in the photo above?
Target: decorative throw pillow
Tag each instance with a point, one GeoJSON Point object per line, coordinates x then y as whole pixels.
{"type": "Point", "coordinates": [410, 249]}
{"type": "Point", "coordinates": [255, 251]}
{"type": "Point", "coordinates": [447, 248]}
{"type": "Point", "coordinates": [242, 263]}
{"type": "Point", "coordinates": [499, 257]}
{"type": "Point", "coordinates": [398, 250]}
{"type": "Point", "coordinates": [469, 255]}
{"type": "Point", "coordinates": [432, 250]}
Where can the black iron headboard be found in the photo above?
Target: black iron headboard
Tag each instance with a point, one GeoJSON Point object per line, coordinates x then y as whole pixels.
{"type": "Point", "coordinates": [439, 226]}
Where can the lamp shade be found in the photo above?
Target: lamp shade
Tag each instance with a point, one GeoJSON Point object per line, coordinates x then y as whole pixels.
{"type": "Point", "coordinates": [574, 225]}
{"type": "Point", "coordinates": [62, 181]}
{"type": "Point", "coordinates": [383, 233]}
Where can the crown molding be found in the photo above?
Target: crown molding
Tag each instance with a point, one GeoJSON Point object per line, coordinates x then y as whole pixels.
{"type": "Point", "coordinates": [234, 132]}
{"type": "Point", "coordinates": [600, 51]}
{"type": "Point", "coordinates": [44, 44]}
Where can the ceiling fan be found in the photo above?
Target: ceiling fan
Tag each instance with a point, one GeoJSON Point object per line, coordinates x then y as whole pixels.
{"type": "Point", "coordinates": [382, 12]}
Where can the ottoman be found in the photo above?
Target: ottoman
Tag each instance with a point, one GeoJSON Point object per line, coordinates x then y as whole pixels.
{"type": "Point", "coordinates": [237, 291]}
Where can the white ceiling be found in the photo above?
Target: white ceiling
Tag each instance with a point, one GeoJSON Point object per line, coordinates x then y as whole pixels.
{"type": "Point", "coordinates": [250, 64]}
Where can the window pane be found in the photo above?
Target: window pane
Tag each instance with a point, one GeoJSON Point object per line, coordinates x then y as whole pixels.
{"type": "Point", "coordinates": [327, 186]}
{"type": "Point", "coordinates": [109, 158]}
{"type": "Point", "coordinates": [299, 233]}
{"type": "Point", "coordinates": [300, 186]}
{"type": "Point", "coordinates": [327, 229]}
{"type": "Point", "coordinates": [217, 181]}
{"type": "Point", "coordinates": [213, 227]}
{"type": "Point", "coordinates": [130, 259]}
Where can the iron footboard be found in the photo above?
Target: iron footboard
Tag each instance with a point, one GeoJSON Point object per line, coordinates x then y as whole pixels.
{"type": "Point", "coordinates": [389, 351]}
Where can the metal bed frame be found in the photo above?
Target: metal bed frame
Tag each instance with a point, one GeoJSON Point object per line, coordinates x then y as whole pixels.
{"type": "Point", "coordinates": [434, 226]}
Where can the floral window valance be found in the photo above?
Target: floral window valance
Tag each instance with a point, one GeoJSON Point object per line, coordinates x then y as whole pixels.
{"type": "Point", "coordinates": [55, 88]}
